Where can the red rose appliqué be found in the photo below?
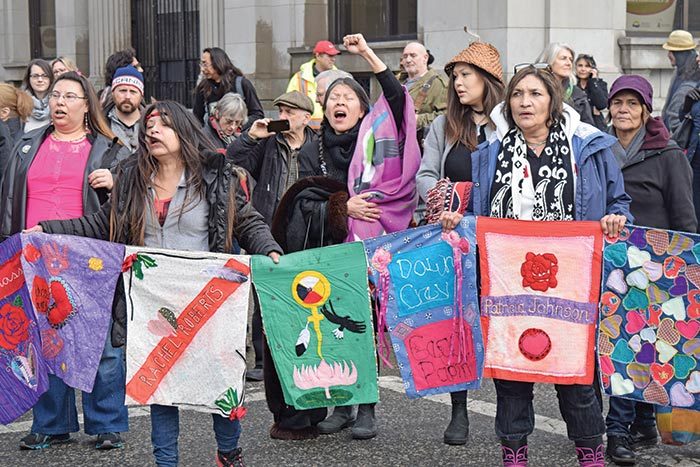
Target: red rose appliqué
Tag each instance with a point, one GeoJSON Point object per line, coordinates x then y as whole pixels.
{"type": "Point", "coordinates": [540, 271]}
{"type": "Point", "coordinates": [14, 326]}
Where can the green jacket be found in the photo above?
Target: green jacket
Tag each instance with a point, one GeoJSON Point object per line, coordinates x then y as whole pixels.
{"type": "Point", "coordinates": [433, 87]}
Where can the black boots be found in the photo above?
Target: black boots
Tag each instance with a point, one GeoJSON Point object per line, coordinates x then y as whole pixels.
{"type": "Point", "coordinates": [620, 450]}
{"type": "Point", "coordinates": [457, 431]}
{"type": "Point", "coordinates": [365, 426]}
{"type": "Point", "coordinates": [341, 418]}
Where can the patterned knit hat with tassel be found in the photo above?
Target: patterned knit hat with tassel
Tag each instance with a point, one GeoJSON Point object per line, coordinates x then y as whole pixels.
{"type": "Point", "coordinates": [481, 55]}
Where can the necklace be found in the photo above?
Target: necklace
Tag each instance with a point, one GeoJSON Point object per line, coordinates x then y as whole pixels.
{"type": "Point", "coordinates": [55, 136]}
{"type": "Point", "coordinates": [535, 145]}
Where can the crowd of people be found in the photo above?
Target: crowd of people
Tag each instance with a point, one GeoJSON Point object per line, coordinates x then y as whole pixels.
{"type": "Point", "coordinates": [552, 144]}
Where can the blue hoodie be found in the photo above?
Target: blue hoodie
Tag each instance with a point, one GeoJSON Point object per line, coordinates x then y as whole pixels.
{"type": "Point", "coordinates": [600, 189]}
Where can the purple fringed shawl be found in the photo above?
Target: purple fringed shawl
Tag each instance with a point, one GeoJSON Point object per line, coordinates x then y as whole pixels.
{"type": "Point", "coordinates": [380, 167]}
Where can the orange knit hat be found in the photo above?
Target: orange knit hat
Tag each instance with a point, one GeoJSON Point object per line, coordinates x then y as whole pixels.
{"type": "Point", "coordinates": [479, 54]}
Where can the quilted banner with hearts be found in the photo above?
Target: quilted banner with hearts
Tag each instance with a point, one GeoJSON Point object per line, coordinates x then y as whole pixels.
{"type": "Point", "coordinates": [72, 282]}
{"type": "Point", "coordinates": [23, 372]}
{"type": "Point", "coordinates": [426, 285]}
{"type": "Point", "coordinates": [649, 343]}
{"type": "Point", "coordinates": [318, 322]}
{"type": "Point", "coordinates": [540, 283]}
{"type": "Point", "coordinates": [187, 316]}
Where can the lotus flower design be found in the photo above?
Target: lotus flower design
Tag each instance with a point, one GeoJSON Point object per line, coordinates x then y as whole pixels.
{"type": "Point", "coordinates": [325, 375]}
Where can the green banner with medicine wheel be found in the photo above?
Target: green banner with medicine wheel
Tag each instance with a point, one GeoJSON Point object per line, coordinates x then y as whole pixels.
{"type": "Point", "coordinates": [318, 323]}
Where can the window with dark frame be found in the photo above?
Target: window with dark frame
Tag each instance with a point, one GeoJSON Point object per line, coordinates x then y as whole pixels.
{"type": "Point", "coordinates": [687, 16]}
{"type": "Point", "coordinates": [377, 20]}
{"type": "Point", "coordinates": [42, 28]}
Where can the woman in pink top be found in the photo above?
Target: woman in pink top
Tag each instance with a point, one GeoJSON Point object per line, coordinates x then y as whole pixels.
{"type": "Point", "coordinates": [63, 172]}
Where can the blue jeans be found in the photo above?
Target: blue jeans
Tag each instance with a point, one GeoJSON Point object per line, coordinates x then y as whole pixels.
{"type": "Point", "coordinates": [578, 405]}
{"type": "Point", "coordinates": [165, 429]}
{"type": "Point", "coordinates": [103, 409]}
{"type": "Point", "coordinates": [624, 413]}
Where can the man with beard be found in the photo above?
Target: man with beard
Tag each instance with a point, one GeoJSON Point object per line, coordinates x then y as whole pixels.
{"type": "Point", "coordinates": [127, 95]}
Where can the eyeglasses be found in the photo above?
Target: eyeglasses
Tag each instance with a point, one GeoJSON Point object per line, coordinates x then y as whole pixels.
{"type": "Point", "coordinates": [537, 66]}
{"type": "Point", "coordinates": [204, 64]}
{"type": "Point", "coordinates": [68, 97]}
{"type": "Point", "coordinates": [37, 76]}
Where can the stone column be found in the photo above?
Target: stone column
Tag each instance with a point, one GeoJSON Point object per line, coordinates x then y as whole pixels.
{"type": "Point", "coordinates": [109, 31]}
{"type": "Point", "coordinates": [211, 23]}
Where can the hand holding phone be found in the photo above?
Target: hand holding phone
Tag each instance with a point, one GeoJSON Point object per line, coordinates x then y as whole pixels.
{"type": "Point", "coordinates": [277, 126]}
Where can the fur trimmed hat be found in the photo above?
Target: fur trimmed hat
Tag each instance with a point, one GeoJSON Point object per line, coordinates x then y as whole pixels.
{"type": "Point", "coordinates": [481, 55]}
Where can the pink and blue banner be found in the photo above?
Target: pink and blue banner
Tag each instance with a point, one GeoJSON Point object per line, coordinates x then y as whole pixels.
{"type": "Point", "coordinates": [426, 289]}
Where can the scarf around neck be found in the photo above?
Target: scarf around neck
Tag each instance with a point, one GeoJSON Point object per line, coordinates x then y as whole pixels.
{"type": "Point", "coordinates": [41, 108]}
{"type": "Point", "coordinates": [337, 151]}
{"type": "Point", "coordinates": [552, 185]}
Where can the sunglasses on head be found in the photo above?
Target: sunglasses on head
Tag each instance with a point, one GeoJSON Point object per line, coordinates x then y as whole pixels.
{"type": "Point", "coordinates": [537, 66]}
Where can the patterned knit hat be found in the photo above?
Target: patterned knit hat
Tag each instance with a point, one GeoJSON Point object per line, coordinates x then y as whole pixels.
{"type": "Point", "coordinates": [481, 55]}
{"type": "Point", "coordinates": [128, 76]}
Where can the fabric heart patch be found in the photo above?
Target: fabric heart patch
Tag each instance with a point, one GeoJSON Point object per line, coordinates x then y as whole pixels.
{"type": "Point", "coordinates": [692, 347]}
{"type": "Point", "coordinates": [653, 270]}
{"type": "Point", "coordinates": [656, 295]}
{"type": "Point", "coordinates": [679, 287]}
{"type": "Point", "coordinates": [635, 343]}
{"type": "Point", "coordinates": [673, 265]}
{"type": "Point", "coordinates": [616, 254]}
{"type": "Point", "coordinates": [605, 347]}
{"type": "Point", "coordinates": [638, 278]}
{"type": "Point", "coordinates": [658, 239]}
{"type": "Point", "coordinates": [679, 243]}
{"type": "Point", "coordinates": [637, 239]}
{"type": "Point", "coordinates": [667, 332]}
{"type": "Point", "coordinates": [646, 355]}
{"type": "Point", "coordinates": [639, 374]}
{"type": "Point", "coordinates": [637, 257]}
{"type": "Point", "coordinates": [534, 344]}
{"type": "Point", "coordinates": [693, 304]}
{"type": "Point", "coordinates": [692, 272]}
{"type": "Point", "coordinates": [609, 303]}
{"type": "Point", "coordinates": [611, 326]}
{"type": "Point", "coordinates": [693, 383]}
{"type": "Point", "coordinates": [666, 352]}
{"type": "Point", "coordinates": [683, 365]}
{"type": "Point", "coordinates": [648, 334]}
{"type": "Point", "coordinates": [616, 281]}
{"type": "Point", "coordinates": [606, 365]}
{"type": "Point", "coordinates": [696, 252]}
{"type": "Point", "coordinates": [675, 308]}
{"type": "Point", "coordinates": [688, 329]}
{"type": "Point", "coordinates": [635, 300]}
{"type": "Point", "coordinates": [622, 352]}
{"type": "Point", "coordinates": [620, 385]}
{"type": "Point", "coordinates": [635, 322]}
{"type": "Point", "coordinates": [680, 397]}
{"type": "Point", "coordinates": [662, 374]}
{"type": "Point", "coordinates": [654, 313]}
{"type": "Point", "coordinates": [655, 394]}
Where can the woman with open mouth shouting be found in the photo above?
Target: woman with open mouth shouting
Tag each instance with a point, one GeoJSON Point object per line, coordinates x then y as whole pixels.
{"type": "Point", "coordinates": [360, 183]}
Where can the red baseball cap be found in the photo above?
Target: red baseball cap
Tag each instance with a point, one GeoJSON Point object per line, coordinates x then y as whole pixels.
{"type": "Point", "coordinates": [325, 47]}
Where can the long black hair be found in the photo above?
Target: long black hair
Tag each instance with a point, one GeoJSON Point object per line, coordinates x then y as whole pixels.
{"type": "Point", "coordinates": [224, 67]}
{"type": "Point", "coordinates": [129, 219]}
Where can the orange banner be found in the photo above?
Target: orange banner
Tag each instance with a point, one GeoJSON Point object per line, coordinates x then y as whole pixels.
{"type": "Point", "coordinates": [169, 349]}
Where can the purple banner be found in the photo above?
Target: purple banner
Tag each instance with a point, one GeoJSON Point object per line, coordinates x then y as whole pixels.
{"type": "Point", "coordinates": [72, 282]}
{"type": "Point", "coordinates": [23, 377]}
{"type": "Point", "coordinates": [545, 307]}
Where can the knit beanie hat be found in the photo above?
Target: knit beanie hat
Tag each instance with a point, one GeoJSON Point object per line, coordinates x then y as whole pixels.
{"type": "Point", "coordinates": [481, 55]}
{"type": "Point", "coordinates": [128, 76]}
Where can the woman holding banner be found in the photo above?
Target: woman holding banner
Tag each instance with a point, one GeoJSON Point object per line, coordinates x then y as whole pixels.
{"type": "Point", "coordinates": [60, 172]}
{"type": "Point", "coordinates": [537, 138]}
{"type": "Point", "coordinates": [354, 190]}
{"type": "Point", "coordinates": [659, 179]}
{"type": "Point", "coordinates": [475, 88]}
{"type": "Point", "coordinates": [177, 193]}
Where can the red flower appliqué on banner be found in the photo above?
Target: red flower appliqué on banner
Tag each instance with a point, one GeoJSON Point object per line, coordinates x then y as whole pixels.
{"type": "Point", "coordinates": [540, 271]}
{"type": "Point", "coordinates": [14, 326]}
